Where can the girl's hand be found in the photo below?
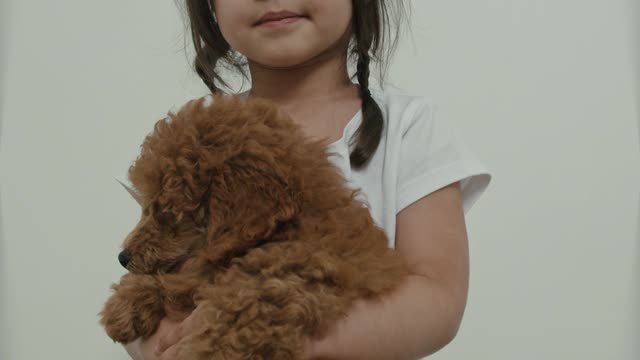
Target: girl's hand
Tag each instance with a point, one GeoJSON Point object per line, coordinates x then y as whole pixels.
{"type": "Point", "coordinates": [145, 349]}
{"type": "Point", "coordinates": [165, 347]}
{"type": "Point", "coordinates": [134, 349]}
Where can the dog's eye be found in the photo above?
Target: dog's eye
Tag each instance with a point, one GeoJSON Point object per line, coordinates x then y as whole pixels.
{"type": "Point", "coordinates": [164, 217]}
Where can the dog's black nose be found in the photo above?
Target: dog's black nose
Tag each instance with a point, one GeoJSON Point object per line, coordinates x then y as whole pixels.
{"type": "Point", "coordinates": [124, 257]}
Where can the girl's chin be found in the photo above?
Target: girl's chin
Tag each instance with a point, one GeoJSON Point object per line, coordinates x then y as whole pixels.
{"type": "Point", "coordinates": [281, 62]}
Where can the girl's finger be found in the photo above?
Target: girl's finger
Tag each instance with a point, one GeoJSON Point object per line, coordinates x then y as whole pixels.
{"type": "Point", "coordinates": [178, 332]}
{"type": "Point", "coordinates": [169, 339]}
{"type": "Point", "coordinates": [169, 354]}
{"type": "Point", "coordinates": [134, 349]}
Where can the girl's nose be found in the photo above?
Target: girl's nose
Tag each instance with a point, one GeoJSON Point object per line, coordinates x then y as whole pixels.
{"type": "Point", "coordinates": [124, 257]}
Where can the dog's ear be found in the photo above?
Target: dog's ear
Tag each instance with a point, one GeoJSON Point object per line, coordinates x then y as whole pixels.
{"type": "Point", "coordinates": [248, 205]}
{"type": "Point", "coordinates": [132, 192]}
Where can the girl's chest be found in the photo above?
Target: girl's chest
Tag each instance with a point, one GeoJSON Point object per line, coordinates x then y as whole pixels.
{"type": "Point", "coordinates": [328, 122]}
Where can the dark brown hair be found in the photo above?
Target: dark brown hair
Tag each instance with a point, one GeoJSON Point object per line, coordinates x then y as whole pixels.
{"type": "Point", "coordinates": [370, 35]}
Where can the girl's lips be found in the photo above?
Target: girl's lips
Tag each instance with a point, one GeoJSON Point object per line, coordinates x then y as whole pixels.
{"type": "Point", "coordinates": [276, 23]}
{"type": "Point", "coordinates": [276, 15]}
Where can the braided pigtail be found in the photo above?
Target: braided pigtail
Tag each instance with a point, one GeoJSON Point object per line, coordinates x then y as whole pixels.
{"type": "Point", "coordinates": [366, 32]}
{"type": "Point", "coordinates": [370, 131]}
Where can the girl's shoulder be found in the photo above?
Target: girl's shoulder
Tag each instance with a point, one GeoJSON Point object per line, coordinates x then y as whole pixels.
{"type": "Point", "coordinates": [427, 149]}
{"type": "Point", "coordinates": [398, 96]}
{"type": "Point", "coordinates": [404, 111]}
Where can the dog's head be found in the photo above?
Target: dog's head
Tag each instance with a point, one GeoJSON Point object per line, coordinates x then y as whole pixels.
{"type": "Point", "coordinates": [212, 180]}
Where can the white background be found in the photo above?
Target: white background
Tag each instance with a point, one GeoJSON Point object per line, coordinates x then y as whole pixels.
{"type": "Point", "coordinates": [546, 92]}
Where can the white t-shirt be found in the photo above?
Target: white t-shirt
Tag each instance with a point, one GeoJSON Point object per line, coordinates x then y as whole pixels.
{"type": "Point", "coordinates": [418, 154]}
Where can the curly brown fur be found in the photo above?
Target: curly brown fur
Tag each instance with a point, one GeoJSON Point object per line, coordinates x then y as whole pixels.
{"type": "Point", "coordinates": [247, 223]}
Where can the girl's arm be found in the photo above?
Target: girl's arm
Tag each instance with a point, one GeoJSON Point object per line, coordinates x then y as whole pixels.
{"type": "Point", "coordinates": [424, 313]}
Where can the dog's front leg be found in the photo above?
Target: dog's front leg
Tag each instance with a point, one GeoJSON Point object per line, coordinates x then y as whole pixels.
{"type": "Point", "coordinates": [257, 319]}
{"type": "Point", "coordinates": [210, 325]}
{"type": "Point", "coordinates": [134, 309]}
{"type": "Point", "coordinates": [253, 329]}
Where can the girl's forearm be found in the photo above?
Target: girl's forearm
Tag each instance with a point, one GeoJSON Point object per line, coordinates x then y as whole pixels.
{"type": "Point", "coordinates": [417, 319]}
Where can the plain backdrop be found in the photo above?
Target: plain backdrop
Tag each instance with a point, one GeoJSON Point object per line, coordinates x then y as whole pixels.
{"type": "Point", "coordinates": [546, 92]}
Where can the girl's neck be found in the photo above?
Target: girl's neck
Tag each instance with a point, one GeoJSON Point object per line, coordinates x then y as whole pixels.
{"type": "Point", "coordinates": [318, 80]}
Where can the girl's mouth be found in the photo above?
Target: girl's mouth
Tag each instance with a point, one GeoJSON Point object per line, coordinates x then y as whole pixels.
{"type": "Point", "coordinates": [278, 19]}
{"type": "Point", "coordinates": [281, 22]}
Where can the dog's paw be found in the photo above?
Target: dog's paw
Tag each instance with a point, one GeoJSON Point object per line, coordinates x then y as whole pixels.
{"type": "Point", "coordinates": [134, 310]}
{"type": "Point", "coordinates": [118, 321]}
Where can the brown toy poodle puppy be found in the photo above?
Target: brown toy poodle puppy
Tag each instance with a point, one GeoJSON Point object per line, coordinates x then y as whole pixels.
{"type": "Point", "coordinates": [246, 222]}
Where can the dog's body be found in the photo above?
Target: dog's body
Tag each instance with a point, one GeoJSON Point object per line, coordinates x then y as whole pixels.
{"type": "Point", "coordinates": [246, 223]}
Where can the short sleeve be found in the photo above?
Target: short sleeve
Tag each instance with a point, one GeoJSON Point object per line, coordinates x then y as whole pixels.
{"type": "Point", "coordinates": [434, 155]}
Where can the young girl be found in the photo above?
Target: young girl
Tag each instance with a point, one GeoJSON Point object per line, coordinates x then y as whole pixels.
{"type": "Point", "coordinates": [415, 171]}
